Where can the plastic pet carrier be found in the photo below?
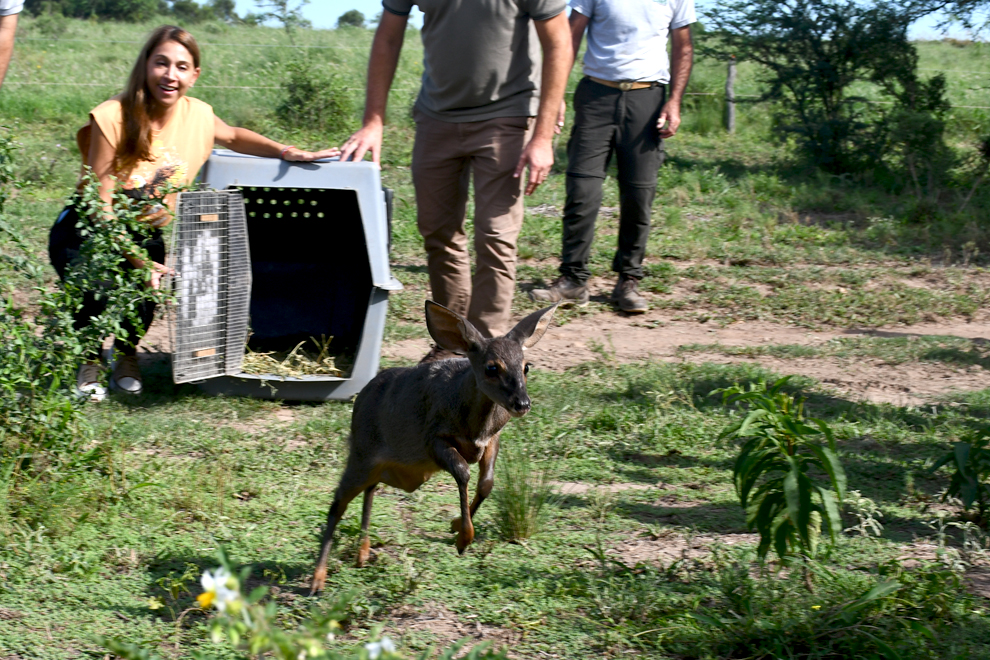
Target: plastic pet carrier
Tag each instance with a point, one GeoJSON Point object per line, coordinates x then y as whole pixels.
{"type": "Point", "coordinates": [274, 257]}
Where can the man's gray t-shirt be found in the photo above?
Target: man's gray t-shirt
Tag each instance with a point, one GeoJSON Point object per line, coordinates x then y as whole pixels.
{"type": "Point", "coordinates": [481, 58]}
{"type": "Point", "coordinates": [627, 39]}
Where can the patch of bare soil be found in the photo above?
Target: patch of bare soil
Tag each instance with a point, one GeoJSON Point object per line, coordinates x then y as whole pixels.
{"type": "Point", "coordinates": [674, 546]}
{"type": "Point", "coordinates": [657, 336]}
{"type": "Point", "coordinates": [447, 627]}
{"type": "Point", "coordinates": [578, 488]}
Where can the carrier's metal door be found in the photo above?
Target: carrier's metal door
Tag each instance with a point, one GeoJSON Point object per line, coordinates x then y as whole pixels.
{"type": "Point", "coordinates": [212, 285]}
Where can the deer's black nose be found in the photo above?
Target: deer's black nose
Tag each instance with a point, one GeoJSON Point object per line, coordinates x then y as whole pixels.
{"type": "Point", "coordinates": [522, 405]}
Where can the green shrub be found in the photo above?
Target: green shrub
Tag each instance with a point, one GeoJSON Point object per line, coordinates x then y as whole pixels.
{"type": "Point", "coordinates": [815, 55]}
{"type": "Point", "coordinates": [971, 479]}
{"type": "Point", "coordinates": [774, 473]}
{"type": "Point", "coordinates": [41, 425]}
{"type": "Point", "coordinates": [315, 99]}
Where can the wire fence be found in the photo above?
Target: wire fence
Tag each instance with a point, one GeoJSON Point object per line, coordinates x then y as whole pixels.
{"type": "Point", "coordinates": [394, 88]}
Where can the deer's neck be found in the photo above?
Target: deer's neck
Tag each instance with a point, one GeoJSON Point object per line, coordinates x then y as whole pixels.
{"type": "Point", "coordinates": [483, 417]}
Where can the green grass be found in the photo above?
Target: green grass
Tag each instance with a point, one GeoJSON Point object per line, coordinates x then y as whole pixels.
{"type": "Point", "coordinates": [739, 233]}
{"type": "Point", "coordinates": [178, 474]}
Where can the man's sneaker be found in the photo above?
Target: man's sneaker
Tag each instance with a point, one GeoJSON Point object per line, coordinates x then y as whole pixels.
{"type": "Point", "coordinates": [436, 354]}
{"type": "Point", "coordinates": [626, 296]}
{"type": "Point", "coordinates": [564, 290]}
{"type": "Point", "coordinates": [126, 376]}
{"type": "Point", "coordinates": [88, 382]}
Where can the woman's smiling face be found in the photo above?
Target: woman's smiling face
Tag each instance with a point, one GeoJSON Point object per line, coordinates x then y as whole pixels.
{"type": "Point", "coordinates": [171, 72]}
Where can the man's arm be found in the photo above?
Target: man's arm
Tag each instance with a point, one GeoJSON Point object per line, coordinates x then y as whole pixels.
{"type": "Point", "coordinates": [8, 28]}
{"type": "Point", "coordinates": [555, 38]}
{"type": "Point", "coordinates": [385, 51]}
{"type": "Point", "coordinates": [681, 59]}
{"type": "Point", "coordinates": [578, 23]}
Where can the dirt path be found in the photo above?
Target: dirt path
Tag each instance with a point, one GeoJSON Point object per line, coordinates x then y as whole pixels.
{"type": "Point", "coordinates": [657, 336]}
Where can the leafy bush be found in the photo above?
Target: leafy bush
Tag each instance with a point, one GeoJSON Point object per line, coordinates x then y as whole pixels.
{"type": "Point", "coordinates": [814, 53]}
{"type": "Point", "coordinates": [115, 10]}
{"type": "Point", "coordinates": [41, 425]}
{"type": "Point", "coordinates": [774, 471]}
{"type": "Point", "coordinates": [971, 478]}
{"type": "Point", "coordinates": [315, 99]}
{"type": "Point", "coordinates": [522, 492]}
{"type": "Point", "coordinates": [351, 18]}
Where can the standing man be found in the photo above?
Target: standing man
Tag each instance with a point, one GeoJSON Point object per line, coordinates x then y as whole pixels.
{"type": "Point", "coordinates": [621, 106]}
{"type": "Point", "coordinates": [481, 88]}
{"type": "Point", "coordinates": [9, 10]}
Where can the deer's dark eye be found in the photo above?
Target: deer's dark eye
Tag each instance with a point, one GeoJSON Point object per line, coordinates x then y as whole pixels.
{"type": "Point", "coordinates": [491, 370]}
{"type": "Point", "coordinates": [526, 368]}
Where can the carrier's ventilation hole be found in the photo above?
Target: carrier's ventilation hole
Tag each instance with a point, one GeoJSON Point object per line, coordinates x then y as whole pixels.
{"type": "Point", "coordinates": [320, 214]}
{"type": "Point", "coordinates": [267, 215]}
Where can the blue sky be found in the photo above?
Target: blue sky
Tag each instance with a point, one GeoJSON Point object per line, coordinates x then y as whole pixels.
{"type": "Point", "coordinates": [324, 13]}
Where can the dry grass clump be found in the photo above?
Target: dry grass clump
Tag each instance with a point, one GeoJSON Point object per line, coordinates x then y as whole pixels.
{"type": "Point", "coordinates": [300, 361]}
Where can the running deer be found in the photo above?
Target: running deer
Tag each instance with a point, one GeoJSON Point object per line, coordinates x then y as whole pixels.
{"type": "Point", "coordinates": [410, 422]}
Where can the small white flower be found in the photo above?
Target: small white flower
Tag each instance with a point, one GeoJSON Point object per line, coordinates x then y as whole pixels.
{"type": "Point", "coordinates": [375, 649]}
{"type": "Point", "coordinates": [219, 589]}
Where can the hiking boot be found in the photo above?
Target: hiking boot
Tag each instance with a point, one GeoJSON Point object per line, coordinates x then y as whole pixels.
{"type": "Point", "coordinates": [626, 296]}
{"type": "Point", "coordinates": [436, 354]}
{"type": "Point", "coordinates": [88, 382]}
{"type": "Point", "coordinates": [564, 290]}
{"type": "Point", "coordinates": [126, 376]}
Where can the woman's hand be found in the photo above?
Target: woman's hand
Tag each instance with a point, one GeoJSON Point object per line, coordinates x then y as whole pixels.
{"type": "Point", "coordinates": [296, 154]}
{"type": "Point", "coordinates": [157, 272]}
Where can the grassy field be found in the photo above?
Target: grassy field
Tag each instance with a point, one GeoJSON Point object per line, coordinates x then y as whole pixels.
{"type": "Point", "coordinates": [645, 551]}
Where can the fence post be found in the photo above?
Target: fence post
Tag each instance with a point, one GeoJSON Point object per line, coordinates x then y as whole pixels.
{"type": "Point", "coordinates": [730, 96]}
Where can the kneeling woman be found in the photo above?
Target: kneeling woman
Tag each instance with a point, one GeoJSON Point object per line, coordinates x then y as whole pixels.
{"type": "Point", "coordinates": [149, 136]}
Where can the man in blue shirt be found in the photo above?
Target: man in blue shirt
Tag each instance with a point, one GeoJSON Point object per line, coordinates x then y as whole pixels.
{"type": "Point", "coordinates": [623, 107]}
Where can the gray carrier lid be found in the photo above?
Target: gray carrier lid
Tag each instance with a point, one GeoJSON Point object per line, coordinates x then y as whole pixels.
{"type": "Point", "coordinates": [226, 169]}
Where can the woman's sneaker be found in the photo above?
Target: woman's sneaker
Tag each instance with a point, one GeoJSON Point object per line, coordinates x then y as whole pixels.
{"type": "Point", "coordinates": [88, 382]}
{"type": "Point", "coordinates": [126, 376]}
{"type": "Point", "coordinates": [563, 290]}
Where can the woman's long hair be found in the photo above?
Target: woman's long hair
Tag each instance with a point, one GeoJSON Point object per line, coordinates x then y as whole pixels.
{"type": "Point", "coordinates": [138, 104]}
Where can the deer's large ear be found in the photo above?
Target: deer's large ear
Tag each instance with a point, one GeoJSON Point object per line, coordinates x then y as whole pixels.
{"type": "Point", "coordinates": [451, 331]}
{"type": "Point", "coordinates": [528, 331]}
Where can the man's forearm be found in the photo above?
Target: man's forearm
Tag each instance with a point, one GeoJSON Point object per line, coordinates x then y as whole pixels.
{"type": "Point", "coordinates": [555, 37]}
{"type": "Point", "coordinates": [384, 60]}
{"type": "Point", "coordinates": [682, 59]}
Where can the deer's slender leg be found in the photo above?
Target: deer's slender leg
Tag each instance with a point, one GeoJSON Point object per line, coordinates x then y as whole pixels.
{"type": "Point", "coordinates": [448, 459]}
{"type": "Point", "coordinates": [365, 550]}
{"type": "Point", "coordinates": [352, 483]}
{"type": "Point", "coordinates": [486, 479]}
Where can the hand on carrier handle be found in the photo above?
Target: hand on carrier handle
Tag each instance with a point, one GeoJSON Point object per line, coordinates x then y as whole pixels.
{"type": "Point", "coordinates": [368, 139]}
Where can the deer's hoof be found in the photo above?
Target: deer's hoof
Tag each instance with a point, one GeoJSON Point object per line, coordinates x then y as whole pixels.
{"type": "Point", "coordinates": [455, 525]}
{"type": "Point", "coordinates": [363, 553]}
{"type": "Point", "coordinates": [319, 579]}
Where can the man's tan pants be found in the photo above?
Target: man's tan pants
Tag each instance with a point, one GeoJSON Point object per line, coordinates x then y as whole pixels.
{"type": "Point", "coordinates": [445, 155]}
